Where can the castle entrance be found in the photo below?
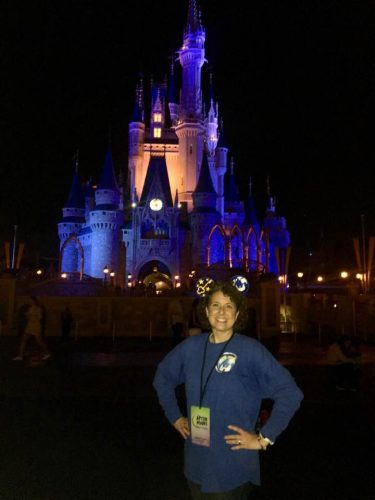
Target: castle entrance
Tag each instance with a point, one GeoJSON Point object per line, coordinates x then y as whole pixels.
{"type": "Point", "coordinates": [156, 275]}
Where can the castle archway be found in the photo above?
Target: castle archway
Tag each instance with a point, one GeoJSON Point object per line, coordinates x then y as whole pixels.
{"type": "Point", "coordinates": [156, 274]}
{"type": "Point", "coordinates": [72, 256]}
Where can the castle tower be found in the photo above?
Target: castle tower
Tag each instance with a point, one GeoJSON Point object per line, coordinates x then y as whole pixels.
{"type": "Point", "coordinates": [70, 225]}
{"type": "Point", "coordinates": [105, 221]}
{"type": "Point", "coordinates": [190, 129]}
{"type": "Point", "coordinates": [278, 235]}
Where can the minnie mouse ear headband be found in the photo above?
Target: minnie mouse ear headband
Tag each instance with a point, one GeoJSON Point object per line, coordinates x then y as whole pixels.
{"type": "Point", "coordinates": [205, 284]}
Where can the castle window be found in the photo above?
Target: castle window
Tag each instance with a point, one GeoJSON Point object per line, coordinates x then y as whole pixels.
{"type": "Point", "coordinates": [157, 132]}
{"type": "Point", "coordinates": [157, 117]}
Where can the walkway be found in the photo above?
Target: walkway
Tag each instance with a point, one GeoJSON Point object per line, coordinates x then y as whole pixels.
{"type": "Point", "coordinates": [87, 426]}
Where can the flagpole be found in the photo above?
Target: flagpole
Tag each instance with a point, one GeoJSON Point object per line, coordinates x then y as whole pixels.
{"type": "Point", "coordinates": [14, 247]}
{"type": "Point", "coordinates": [364, 253]}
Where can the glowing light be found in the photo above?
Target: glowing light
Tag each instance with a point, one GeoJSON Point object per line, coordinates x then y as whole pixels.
{"type": "Point", "coordinates": [39, 272]}
{"type": "Point", "coordinates": [134, 204]}
{"type": "Point", "coordinates": [64, 275]}
{"type": "Point", "coordinates": [106, 270]}
{"type": "Point", "coordinates": [112, 274]}
{"type": "Point", "coordinates": [300, 275]}
{"type": "Point", "coordinates": [203, 286]}
{"type": "Point", "coordinates": [319, 279]}
{"type": "Point", "coordinates": [344, 274]}
{"type": "Point", "coordinates": [359, 276]}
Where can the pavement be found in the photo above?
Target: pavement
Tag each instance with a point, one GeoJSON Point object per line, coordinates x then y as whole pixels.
{"type": "Point", "coordinates": [86, 425]}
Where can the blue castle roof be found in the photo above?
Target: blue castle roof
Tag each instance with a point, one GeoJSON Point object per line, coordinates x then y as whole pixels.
{"type": "Point", "coordinates": [205, 184]}
{"type": "Point", "coordinates": [108, 179]}
{"type": "Point", "coordinates": [76, 197]}
{"type": "Point", "coordinates": [157, 168]}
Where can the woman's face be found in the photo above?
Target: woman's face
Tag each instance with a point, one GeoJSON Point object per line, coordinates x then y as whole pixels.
{"type": "Point", "coordinates": [221, 313]}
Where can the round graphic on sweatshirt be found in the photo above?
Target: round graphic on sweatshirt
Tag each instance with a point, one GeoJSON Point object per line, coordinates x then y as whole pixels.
{"type": "Point", "coordinates": [226, 362]}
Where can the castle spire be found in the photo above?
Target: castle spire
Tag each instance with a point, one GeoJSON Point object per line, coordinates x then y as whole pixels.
{"type": "Point", "coordinates": [271, 206]}
{"type": "Point", "coordinates": [193, 23]}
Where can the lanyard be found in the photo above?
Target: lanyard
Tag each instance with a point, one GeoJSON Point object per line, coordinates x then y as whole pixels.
{"type": "Point", "coordinates": [203, 387]}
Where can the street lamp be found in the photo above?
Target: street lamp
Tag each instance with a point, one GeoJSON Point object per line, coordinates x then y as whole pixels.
{"type": "Point", "coordinates": [105, 271]}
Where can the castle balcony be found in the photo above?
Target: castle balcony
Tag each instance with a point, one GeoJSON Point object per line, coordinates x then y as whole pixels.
{"type": "Point", "coordinates": [154, 243]}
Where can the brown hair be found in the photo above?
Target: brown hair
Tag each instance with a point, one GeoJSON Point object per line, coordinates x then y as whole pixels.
{"type": "Point", "coordinates": [235, 296]}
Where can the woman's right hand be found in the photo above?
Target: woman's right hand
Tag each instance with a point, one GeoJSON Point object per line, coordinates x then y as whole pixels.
{"type": "Point", "coordinates": [182, 426]}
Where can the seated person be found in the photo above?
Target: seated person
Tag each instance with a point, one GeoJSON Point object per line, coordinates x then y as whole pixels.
{"type": "Point", "coordinates": [343, 359]}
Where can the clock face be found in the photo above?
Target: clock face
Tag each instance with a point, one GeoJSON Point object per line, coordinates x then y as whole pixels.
{"type": "Point", "coordinates": [156, 204]}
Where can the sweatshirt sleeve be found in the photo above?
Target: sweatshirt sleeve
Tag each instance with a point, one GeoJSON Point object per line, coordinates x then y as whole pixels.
{"type": "Point", "coordinates": [278, 385]}
{"type": "Point", "coordinates": [169, 374]}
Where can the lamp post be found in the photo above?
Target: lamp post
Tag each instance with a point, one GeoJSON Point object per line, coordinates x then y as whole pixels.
{"type": "Point", "coordinates": [105, 272]}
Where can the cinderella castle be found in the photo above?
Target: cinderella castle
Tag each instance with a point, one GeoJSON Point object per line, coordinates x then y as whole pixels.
{"type": "Point", "coordinates": [179, 210]}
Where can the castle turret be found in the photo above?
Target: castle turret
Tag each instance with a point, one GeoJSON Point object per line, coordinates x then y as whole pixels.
{"type": "Point", "coordinates": [211, 122]}
{"type": "Point", "coordinates": [105, 221]}
{"type": "Point", "coordinates": [71, 224]}
{"type": "Point", "coordinates": [221, 155]}
{"type": "Point", "coordinates": [204, 214]}
{"type": "Point", "coordinates": [233, 207]}
{"type": "Point", "coordinates": [174, 108]}
{"type": "Point", "coordinates": [136, 141]}
{"type": "Point", "coordinates": [278, 235]}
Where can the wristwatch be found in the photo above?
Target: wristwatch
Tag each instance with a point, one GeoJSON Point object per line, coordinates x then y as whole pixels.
{"type": "Point", "coordinates": [264, 441]}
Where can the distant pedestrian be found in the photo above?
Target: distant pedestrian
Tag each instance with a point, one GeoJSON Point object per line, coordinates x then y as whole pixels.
{"type": "Point", "coordinates": [194, 327]}
{"type": "Point", "coordinates": [33, 329]}
{"type": "Point", "coordinates": [176, 319]}
{"type": "Point", "coordinates": [66, 323]}
{"type": "Point", "coordinates": [343, 358]}
{"type": "Point", "coordinates": [22, 319]}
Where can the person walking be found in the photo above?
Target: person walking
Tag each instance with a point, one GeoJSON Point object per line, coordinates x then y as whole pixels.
{"type": "Point", "coordinates": [33, 329]}
{"type": "Point", "coordinates": [226, 376]}
{"type": "Point", "coordinates": [66, 323]}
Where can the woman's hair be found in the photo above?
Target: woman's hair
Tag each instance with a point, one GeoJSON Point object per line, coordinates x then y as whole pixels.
{"type": "Point", "coordinates": [235, 296]}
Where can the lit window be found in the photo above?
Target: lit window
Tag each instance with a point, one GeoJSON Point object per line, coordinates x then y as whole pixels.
{"type": "Point", "coordinates": [157, 117]}
{"type": "Point", "coordinates": [157, 132]}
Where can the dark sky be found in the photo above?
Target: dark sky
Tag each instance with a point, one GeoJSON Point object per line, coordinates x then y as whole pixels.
{"type": "Point", "coordinates": [294, 80]}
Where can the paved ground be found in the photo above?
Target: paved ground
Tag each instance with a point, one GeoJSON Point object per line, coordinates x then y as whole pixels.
{"type": "Point", "coordinates": [87, 426]}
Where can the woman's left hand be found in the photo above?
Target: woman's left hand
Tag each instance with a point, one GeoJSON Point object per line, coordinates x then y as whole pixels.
{"type": "Point", "coordinates": [242, 440]}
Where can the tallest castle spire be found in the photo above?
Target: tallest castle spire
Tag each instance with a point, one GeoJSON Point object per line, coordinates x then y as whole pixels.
{"type": "Point", "coordinates": [193, 23]}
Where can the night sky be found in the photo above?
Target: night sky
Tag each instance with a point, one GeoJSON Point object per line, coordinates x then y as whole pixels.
{"type": "Point", "coordinates": [294, 80]}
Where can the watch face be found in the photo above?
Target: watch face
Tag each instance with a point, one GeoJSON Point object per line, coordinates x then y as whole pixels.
{"type": "Point", "coordinates": [156, 204]}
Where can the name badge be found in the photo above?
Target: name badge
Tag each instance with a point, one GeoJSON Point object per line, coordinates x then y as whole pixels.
{"type": "Point", "coordinates": [200, 426]}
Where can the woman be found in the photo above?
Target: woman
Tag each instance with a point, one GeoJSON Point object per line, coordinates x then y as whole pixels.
{"type": "Point", "coordinates": [226, 376]}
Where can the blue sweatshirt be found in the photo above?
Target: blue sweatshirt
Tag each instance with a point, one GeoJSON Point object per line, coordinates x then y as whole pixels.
{"type": "Point", "coordinates": [245, 374]}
